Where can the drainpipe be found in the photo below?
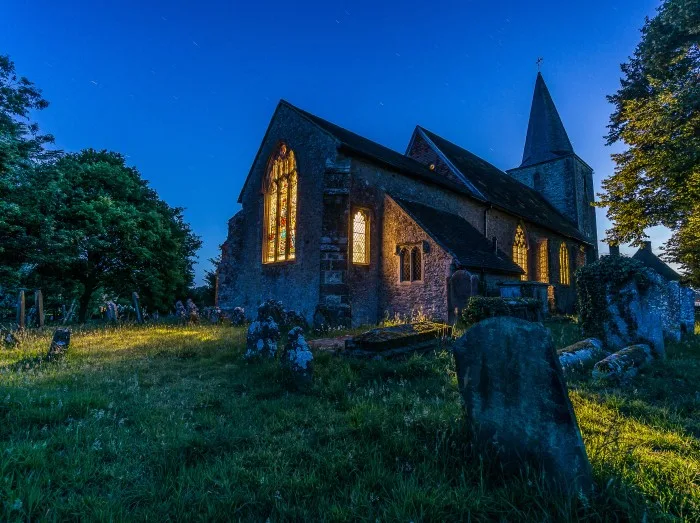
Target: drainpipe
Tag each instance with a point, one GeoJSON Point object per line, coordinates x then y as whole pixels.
{"type": "Point", "coordinates": [486, 220]}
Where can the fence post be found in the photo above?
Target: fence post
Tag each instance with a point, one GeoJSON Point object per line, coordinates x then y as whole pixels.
{"type": "Point", "coordinates": [135, 297]}
{"type": "Point", "coordinates": [39, 306]}
{"type": "Point", "coordinates": [20, 310]}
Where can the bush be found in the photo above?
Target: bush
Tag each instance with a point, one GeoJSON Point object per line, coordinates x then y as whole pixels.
{"type": "Point", "coordinates": [479, 308]}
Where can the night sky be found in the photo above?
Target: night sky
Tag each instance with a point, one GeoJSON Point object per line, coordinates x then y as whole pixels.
{"type": "Point", "coordinates": [186, 89]}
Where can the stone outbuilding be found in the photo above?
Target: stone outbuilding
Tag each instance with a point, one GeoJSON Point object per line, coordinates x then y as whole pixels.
{"type": "Point", "coordinates": [347, 231]}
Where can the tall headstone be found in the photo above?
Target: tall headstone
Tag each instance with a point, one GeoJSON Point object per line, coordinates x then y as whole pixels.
{"type": "Point", "coordinates": [39, 307]}
{"type": "Point", "coordinates": [137, 308]}
{"type": "Point", "coordinates": [21, 312]}
{"type": "Point", "coordinates": [516, 400]}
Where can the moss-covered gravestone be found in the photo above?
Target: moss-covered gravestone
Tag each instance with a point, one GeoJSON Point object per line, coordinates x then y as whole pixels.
{"type": "Point", "coordinates": [517, 403]}
{"type": "Point", "coordinates": [622, 302]}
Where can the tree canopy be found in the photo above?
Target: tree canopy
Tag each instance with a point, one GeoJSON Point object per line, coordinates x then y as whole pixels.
{"type": "Point", "coordinates": [82, 223]}
{"type": "Point", "coordinates": [657, 115]}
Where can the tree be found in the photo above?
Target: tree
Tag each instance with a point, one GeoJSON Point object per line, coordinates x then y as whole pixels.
{"type": "Point", "coordinates": [205, 295]}
{"type": "Point", "coordinates": [22, 148]}
{"type": "Point", "coordinates": [107, 230]}
{"type": "Point", "coordinates": [657, 115]}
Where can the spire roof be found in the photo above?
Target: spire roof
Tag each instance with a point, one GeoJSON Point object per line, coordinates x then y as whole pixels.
{"type": "Point", "coordinates": [546, 136]}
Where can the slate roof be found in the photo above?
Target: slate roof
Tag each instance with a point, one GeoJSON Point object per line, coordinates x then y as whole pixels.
{"type": "Point", "coordinates": [503, 191]}
{"type": "Point", "coordinates": [459, 238]}
{"type": "Point", "coordinates": [651, 260]}
{"type": "Point", "coordinates": [376, 152]}
{"type": "Point", "coordinates": [498, 188]}
{"type": "Point", "coordinates": [546, 136]}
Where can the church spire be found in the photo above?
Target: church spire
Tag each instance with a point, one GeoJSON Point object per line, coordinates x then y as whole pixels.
{"type": "Point", "coordinates": [546, 136]}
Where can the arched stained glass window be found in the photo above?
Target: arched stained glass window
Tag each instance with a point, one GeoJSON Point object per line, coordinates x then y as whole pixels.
{"type": "Point", "coordinates": [416, 264]}
{"type": "Point", "coordinates": [280, 206]}
{"type": "Point", "coordinates": [520, 251]}
{"type": "Point", "coordinates": [360, 238]}
{"type": "Point", "coordinates": [405, 265]}
{"type": "Point", "coordinates": [543, 261]}
{"type": "Point", "coordinates": [564, 271]}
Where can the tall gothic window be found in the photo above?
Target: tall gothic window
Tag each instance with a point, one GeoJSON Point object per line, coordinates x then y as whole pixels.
{"type": "Point", "coordinates": [280, 206]}
{"type": "Point", "coordinates": [564, 273]}
{"type": "Point", "coordinates": [543, 261]}
{"type": "Point", "coordinates": [360, 238]}
{"type": "Point", "coordinates": [520, 251]}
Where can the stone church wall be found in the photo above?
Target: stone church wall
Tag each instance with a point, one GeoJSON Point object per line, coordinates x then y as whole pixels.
{"type": "Point", "coordinates": [427, 296]}
{"type": "Point", "coordinates": [247, 281]}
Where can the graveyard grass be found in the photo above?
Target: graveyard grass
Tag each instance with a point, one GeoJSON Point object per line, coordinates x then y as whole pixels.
{"type": "Point", "coordinates": [166, 422]}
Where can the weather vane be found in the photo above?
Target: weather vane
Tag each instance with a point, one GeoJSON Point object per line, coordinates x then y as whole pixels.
{"type": "Point", "coordinates": [539, 63]}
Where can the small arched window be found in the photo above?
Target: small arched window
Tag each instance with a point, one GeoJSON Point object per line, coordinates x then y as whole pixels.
{"type": "Point", "coordinates": [543, 261]}
{"type": "Point", "coordinates": [520, 251]}
{"type": "Point", "coordinates": [564, 271]}
{"type": "Point", "coordinates": [416, 264]}
{"type": "Point", "coordinates": [280, 206]}
{"type": "Point", "coordinates": [405, 262]}
{"type": "Point", "coordinates": [360, 238]}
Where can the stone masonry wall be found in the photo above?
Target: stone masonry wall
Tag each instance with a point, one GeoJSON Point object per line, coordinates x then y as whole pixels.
{"type": "Point", "coordinates": [246, 281]}
{"type": "Point", "coordinates": [429, 295]}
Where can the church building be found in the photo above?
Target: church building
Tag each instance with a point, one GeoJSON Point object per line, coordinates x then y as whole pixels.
{"type": "Point", "coordinates": [347, 231]}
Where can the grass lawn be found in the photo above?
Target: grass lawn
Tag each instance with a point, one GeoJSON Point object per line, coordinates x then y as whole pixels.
{"type": "Point", "coordinates": [169, 423]}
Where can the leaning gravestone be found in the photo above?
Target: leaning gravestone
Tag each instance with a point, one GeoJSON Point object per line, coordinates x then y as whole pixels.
{"type": "Point", "coordinates": [581, 355]}
{"type": "Point", "coordinates": [59, 344]}
{"type": "Point", "coordinates": [516, 400]}
{"type": "Point", "coordinates": [687, 312]}
{"type": "Point", "coordinates": [624, 363]}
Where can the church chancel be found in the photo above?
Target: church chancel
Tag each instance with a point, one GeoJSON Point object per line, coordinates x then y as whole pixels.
{"type": "Point", "coordinates": [347, 231]}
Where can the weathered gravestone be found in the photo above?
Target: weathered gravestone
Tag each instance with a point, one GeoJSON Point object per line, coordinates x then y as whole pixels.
{"type": "Point", "coordinates": [624, 363]}
{"type": "Point", "coordinates": [112, 311]}
{"type": "Point", "coordinates": [622, 302]}
{"type": "Point", "coordinates": [398, 340]}
{"type": "Point", "coordinates": [59, 344]}
{"type": "Point", "coordinates": [192, 312]}
{"type": "Point", "coordinates": [39, 307]}
{"type": "Point", "coordinates": [21, 315]}
{"type": "Point", "coordinates": [297, 359]}
{"type": "Point", "coordinates": [687, 307]}
{"type": "Point", "coordinates": [137, 306]}
{"type": "Point", "coordinates": [263, 334]}
{"type": "Point", "coordinates": [516, 400]}
{"type": "Point", "coordinates": [581, 355]}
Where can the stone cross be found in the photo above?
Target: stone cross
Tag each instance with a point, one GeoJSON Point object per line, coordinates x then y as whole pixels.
{"type": "Point", "coordinates": [135, 297]}
{"type": "Point", "coordinates": [39, 306]}
{"type": "Point", "coordinates": [539, 63]}
{"type": "Point", "coordinates": [21, 310]}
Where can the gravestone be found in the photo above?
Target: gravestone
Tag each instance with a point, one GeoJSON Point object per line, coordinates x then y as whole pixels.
{"type": "Point", "coordinates": [581, 355]}
{"type": "Point", "coordinates": [39, 307]}
{"type": "Point", "coordinates": [297, 359]}
{"type": "Point", "coordinates": [21, 313]}
{"type": "Point", "coordinates": [624, 363]}
{"type": "Point", "coordinates": [516, 400]}
{"type": "Point", "coordinates": [192, 312]}
{"type": "Point", "coordinates": [398, 340]}
{"type": "Point", "coordinates": [137, 308]}
{"type": "Point", "coordinates": [112, 311]}
{"type": "Point", "coordinates": [238, 316]}
{"type": "Point", "coordinates": [59, 344]}
{"type": "Point", "coordinates": [687, 310]}
{"type": "Point", "coordinates": [262, 336]}
{"type": "Point", "coordinates": [180, 312]}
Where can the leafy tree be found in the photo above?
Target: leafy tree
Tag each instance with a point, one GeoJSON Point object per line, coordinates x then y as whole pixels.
{"type": "Point", "coordinates": [657, 115]}
{"type": "Point", "coordinates": [22, 147]}
{"type": "Point", "coordinates": [205, 295]}
{"type": "Point", "coordinates": [108, 231]}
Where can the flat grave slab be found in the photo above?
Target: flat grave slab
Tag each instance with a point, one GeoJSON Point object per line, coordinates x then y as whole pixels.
{"type": "Point", "coordinates": [399, 340]}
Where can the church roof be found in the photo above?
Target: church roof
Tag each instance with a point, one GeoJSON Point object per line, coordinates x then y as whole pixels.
{"type": "Point", "coordinates": [470, 249]}
{"type": "Point", "coordinates": [377, 152]}
{"type": "Point", "coordinates": [651, 260]}
{"type": "Point", "coordinates": [504, 191]}
{"type": "Point", "coordinates": [546, 136]}
{"type": "Point", "coordinates": [496, 187]}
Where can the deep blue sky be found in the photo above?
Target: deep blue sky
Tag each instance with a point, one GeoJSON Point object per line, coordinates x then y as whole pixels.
{"type": "Point", "coordinates": [186, 89]}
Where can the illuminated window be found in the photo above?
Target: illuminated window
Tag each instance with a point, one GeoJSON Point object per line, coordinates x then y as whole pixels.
{"type": "Point", "coordinates": [280, 206]}
{"type": "Point", "coordinates": [360, 238]}
{"type": "Point", "coordinates": [405, 265]}
{"type": "Point", "coordinates": [543, 261]}
{"type": "Point", "coordinates": [564, 277]}
{"type": "Point", "coordinates": [416, 267]}
{"type": "Point", "coordinates": [520, 251]}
